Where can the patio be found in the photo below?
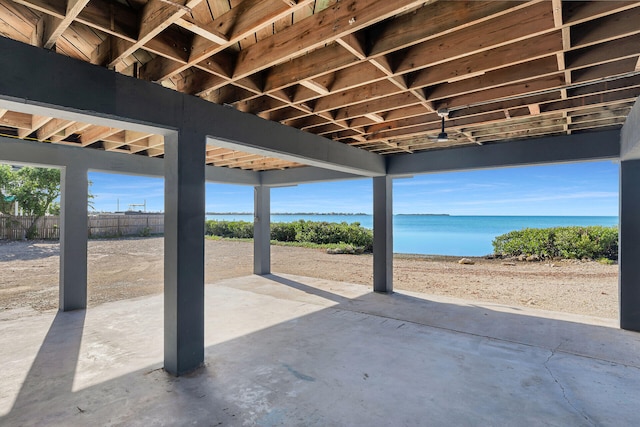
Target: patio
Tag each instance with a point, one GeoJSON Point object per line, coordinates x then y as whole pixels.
{"type": "Point", "coordinates": [290, 350]}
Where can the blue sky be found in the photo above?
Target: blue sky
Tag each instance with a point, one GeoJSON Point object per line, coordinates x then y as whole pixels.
{"type": "Point", "coordinates": [571, 189]}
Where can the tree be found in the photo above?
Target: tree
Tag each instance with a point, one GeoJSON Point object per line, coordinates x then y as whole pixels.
{"type": "Point", "coordinates": [35, 190]}
{"type": "Point", "coordinates": [6, 199]}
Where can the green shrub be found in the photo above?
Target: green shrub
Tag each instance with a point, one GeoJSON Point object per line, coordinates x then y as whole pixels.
{"type": "Point", "coordinates": [529, 241]}
{"type": "Point", "coordinates": [322, 233]}
{"type": "Point", "coordinates": [568, 242]}
{"type": "Point", "coordinates": [284, 231]}
{"type": "Point", "coordinates": [230, 229]}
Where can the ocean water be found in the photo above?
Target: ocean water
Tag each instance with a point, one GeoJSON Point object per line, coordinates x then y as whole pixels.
{"type": "Point", "coordinates": [445, 235]}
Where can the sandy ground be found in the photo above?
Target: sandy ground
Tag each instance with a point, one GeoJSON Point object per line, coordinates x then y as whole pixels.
{"type": "Point", "coordinates": [127, 268]}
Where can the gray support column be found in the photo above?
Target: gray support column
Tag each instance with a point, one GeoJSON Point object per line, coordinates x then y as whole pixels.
{"type": "Point", "coordinates": [261, 230]}
{"type": "Point", "coordinates": [382, 234]}
{"type": "Point", "coordinates": [184, 253]}
{"type": "Point", "coordinates": [629, 245]}
{"type": "Point", "coordinates": [73, 238]}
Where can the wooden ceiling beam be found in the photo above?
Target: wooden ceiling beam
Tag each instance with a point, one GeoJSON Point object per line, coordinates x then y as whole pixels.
{"type": "Point", "coordinates": [606, 28]}
{"type": "Point", "coordinates": [339, 20]}
{"type": "Point", "coordinates": [604, 52]}
{"type": "Point", "coordinates": [54, 27]}
{"type": "Point", "coordinates": [576, 12]}
{"type": "Point", "coordinates": [438, 19]}
{"type": "Point", "coordinates": [319, 62]}
{"type": "Point", "coordinates": [155, 17]}
{"type": "Point", "coordinates": [69, 131]}
{"type": "Point", "coordinates": [504, 76]}
{"type": "Point", "coordinates": [15, 120]}
{"type": "Point", "coordinates": [51, 128]}
{"type": "Point", "coordinates": [507, 29]}
{"type": "Point", "coordinates": [495, 116]}
{"type": "Point", "coordinates": [36, 123]}
{"type": "Point", "coordinates": [96, 133]}
{"type": "Point", "coordinates": [482, 62]}
{"type": "Point", "coordinates": [55, 8]}
{"type": "Point", "coordinates": [236, 24]}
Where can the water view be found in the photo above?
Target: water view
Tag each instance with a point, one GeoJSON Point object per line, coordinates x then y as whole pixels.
{"type": "Point", "coordinates": [444, 234]}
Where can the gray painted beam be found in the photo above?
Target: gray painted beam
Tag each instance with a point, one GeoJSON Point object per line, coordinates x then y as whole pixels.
{"type": "Point", "coordinates": [262, 230]}
{"type": "Point", "coordinates": [630, 135]}
{"type": "Point", "coordinates": [43, 154]}
{"type": "Point", "coordinates": [41, 82]}
{"type": "Point", "coordinates": [302, 175]}
{"type": "Point", "coordinates": [224, 175]}
{"type": "Point", "coordinates": [383, 234]}
{"type": "Point", "coordinates": [629, 245]}
{"type": "Point", "coordinates": [184, 253]}
{"type": "Point", "coordinates": [73, 238]}
{"type": "Point", "coordinates": [38, 153]}
{"type": "Point", "coordinates": [560, 149]}
{"type": "Point", "coordinates": [629, 231]}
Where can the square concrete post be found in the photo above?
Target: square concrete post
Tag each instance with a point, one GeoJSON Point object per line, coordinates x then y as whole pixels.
{"type": "Point", "coordinates": [261, 230]}
{"type": "Point", "coordinates": [629, 245]}
{"type": "Point", "coordinates": [73, 238]}
{"type": "Point", "coordinates": [382, 234]}
{"type": "Point", "coordinates": [184, 252]}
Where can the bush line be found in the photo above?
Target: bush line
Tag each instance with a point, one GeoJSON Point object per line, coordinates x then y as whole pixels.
{"type": "Point", "coordinates": [322, 233]}
{"type": "Point", "coordinates": [594, 242]}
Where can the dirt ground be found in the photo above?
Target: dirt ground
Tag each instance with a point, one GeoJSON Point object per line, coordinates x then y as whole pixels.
{"type": "Point", "coordinates": [132, 267]}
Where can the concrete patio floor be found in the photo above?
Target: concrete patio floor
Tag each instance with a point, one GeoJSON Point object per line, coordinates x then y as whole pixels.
{"type": "Point", "coordinates": [289, 350]}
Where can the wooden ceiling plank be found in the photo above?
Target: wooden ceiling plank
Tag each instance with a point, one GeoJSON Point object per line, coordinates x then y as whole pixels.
{"type": "Point", "coordinates": [437, 19]}
{"type": "Point", "coordinates": [156, 16]}
{"type": "Point", "coordinates": [342, 99]}
{"type": "Point", "coordinates": [68, 131]}
{"type": "Point", "coordinates": [607, 28]}
{"type": "Point", "coordinates": [482, 62]}
{"type": "Point", "coordinates": [155, 152]}
{"type": "Point", "coordinates": [111, 146]}
{"type": "Point", "coordinates": [56, 8]}
{"type": "Point", "coordinates": [36, 123]}
{"type": "Point", "coordinates": [481, 37]}
{"type": "Point", "coordinates": [607, 86]}
{"type": "Point", "coordinates": [236, 24]}
{"type": "Point", "coordinates": [354, 44]}
{"type": "Point", "coordinates": [376, 106]}
{"type": "Point", "coordinates": [207, 33]}
{"type": "Point", "coordinates": [52, 127]}
{"type": "Point", "coordinates": [508, 75]}
{"type": "Point", "coordinates": [111, 17]}
{"type": "Point", "coordinates": [330, 24]}
{"type": "Point", "coordinates": [321, 61]}
{"type": "Point", "coordinates": [54, 27]}
{"type": "Point", "coordinates": [604, 52]}
{"type": "Point", "coordinates": [506, 91]}
{"type": "Point", "coordinates": [605, 70]}
{"type": "Point", "coordinates": [199, 82]}
{"type": "Point", "coordinates": [95, 133]}
{"type": "Point", "coordinates": [315, 86]}
{"type": "Point", "coordinates": [620, 113]}
{"type": "Point", "coordinates": [20, 23]}
{"type": "Point", "coordinates": [578, 12]}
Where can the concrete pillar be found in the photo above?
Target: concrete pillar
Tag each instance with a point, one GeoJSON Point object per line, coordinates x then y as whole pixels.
{"type": "Point", "coordinates": [261, 230]}
{"type": "Point", "coordinates": [382, 234]}
{"type": "Point", "coordinates": [73, 237]}
{"type": "Point", "coordinates": [184, 252]}
{"type": "Point", "coordinates": [629, 245]}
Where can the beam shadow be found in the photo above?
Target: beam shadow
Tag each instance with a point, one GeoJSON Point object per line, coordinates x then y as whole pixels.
{"type": "Point", "coordinates": [53, 369]}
